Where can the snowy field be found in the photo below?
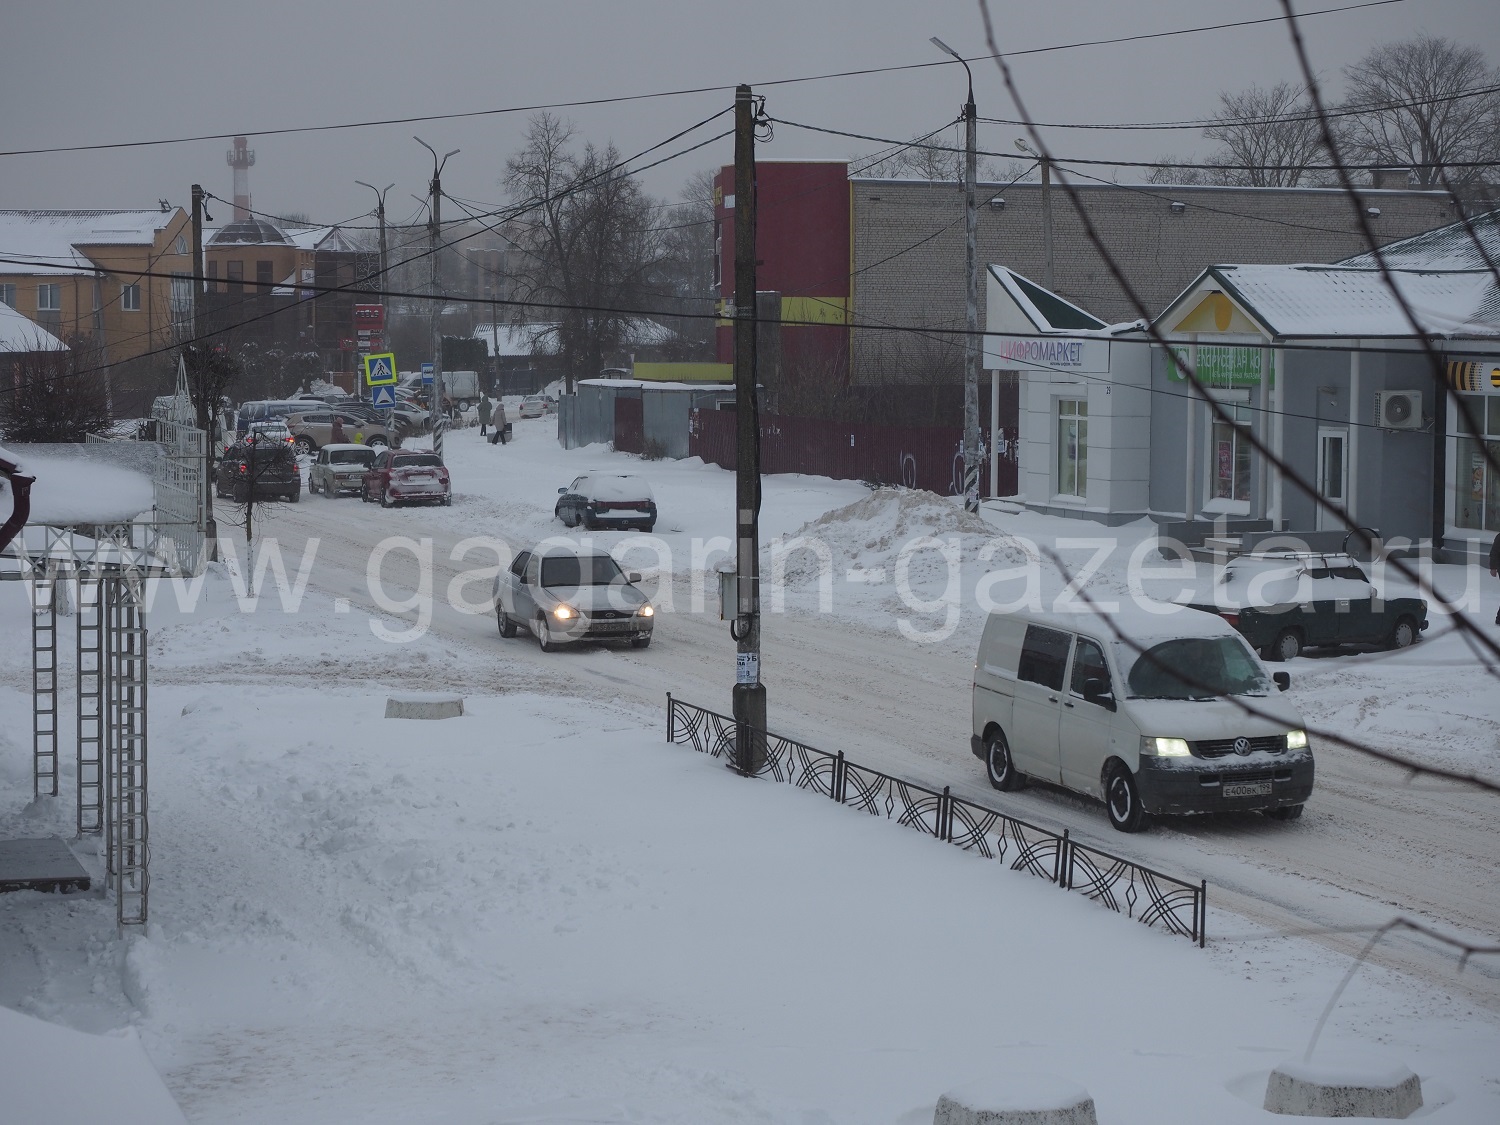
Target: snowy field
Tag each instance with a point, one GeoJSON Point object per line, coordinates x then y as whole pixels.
{"type": "Point", "coordinates": [540, 912]}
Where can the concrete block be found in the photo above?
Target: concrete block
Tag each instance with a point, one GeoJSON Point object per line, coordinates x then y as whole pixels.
{"type": "Point", "coordinates": [423, 705]}
{"type": "Point", "coordinates": [1344, 1084]}
{"type": "Point", "coordinates": [1017, 1098]}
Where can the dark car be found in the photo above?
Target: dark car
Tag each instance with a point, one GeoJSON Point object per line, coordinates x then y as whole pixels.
{"type": "Point", "coordinates": [564, 595]}
{"type": "Point", "coordinates": [607, 500]}
{"type": "Point", "coordinates": [1284, 602]}
{"type": "Point", "coordinates": [406, 476]}
{"type": "Point", "coordinates": [258, 469]}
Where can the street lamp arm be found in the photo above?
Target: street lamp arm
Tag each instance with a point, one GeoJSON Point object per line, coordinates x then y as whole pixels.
{"type": "Point", "coordinates": [947, 50]}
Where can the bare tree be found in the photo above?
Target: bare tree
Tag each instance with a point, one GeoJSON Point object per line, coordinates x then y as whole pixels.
{"type": "Point", "coordinates": [57, 395]}
{"type": "Point", "coordinates": [689, 264]}
{"type": "Point", "coordinates": [211, 371]}
{"type": "Point", "coordinates": [1268, 137]}
{"type": "Point", "coordinates": [931, 157]}
{"type": "Point", "coordinates": [1426, 103]}
{"type": "Point", "coordinates": [594, 243]}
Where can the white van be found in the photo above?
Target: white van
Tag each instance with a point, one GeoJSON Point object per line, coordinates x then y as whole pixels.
{"type": "Point", "coordinates": [1149, 712]}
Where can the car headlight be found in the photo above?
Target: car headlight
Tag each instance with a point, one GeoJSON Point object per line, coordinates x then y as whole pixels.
{"type": "Point", "coordinates": [646, 611]}
{"type": "Point", "coordinates": [1166, 747]}
{"type": "Point", "coordinates": [1296, 740]}
{"type": "Point", "coordinates": [564, 613]}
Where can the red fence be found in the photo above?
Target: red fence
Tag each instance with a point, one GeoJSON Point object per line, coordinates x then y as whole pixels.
{"type": "Point", "coordinates": [916, 457]}
{"type": "Point", "coordinates": [630, 425]}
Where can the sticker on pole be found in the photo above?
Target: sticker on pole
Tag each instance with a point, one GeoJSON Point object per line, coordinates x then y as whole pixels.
{"type": "Point", "coordinates": [380, 370]}
{"type": "Point", "coordinates": [747, 667]}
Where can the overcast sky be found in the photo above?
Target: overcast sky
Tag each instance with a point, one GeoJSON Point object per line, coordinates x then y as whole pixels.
{"type": "Point", "coordinates": [77, 73]}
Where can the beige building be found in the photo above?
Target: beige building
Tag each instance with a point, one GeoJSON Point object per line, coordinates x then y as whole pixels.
{"type": "Point", "coordinates": [119, 279]}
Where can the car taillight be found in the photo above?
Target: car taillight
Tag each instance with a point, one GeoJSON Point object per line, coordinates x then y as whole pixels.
{"type": "Point", "coordinates": [1231, 618]}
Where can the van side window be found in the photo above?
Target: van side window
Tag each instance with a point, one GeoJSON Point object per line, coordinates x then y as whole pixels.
{"type": "Point", "coordinates": [1088, 664]}
{"type": "Point", "coordinates": [1044, 656]}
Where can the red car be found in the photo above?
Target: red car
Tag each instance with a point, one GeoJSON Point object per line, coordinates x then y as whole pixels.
{"type": "Point", "coordinates": [402, 476]}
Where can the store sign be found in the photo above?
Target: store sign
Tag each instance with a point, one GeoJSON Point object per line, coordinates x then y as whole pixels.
{"type": "Point", "coordinates": [369, 318]}
{"type": "Point", "coordinates": [1045, 353]}
{"type": "Point", "coordinates": [1220, 365]}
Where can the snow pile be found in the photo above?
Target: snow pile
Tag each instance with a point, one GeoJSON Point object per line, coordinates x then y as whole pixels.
{"type": "Point", "coordinates": [73, 489]}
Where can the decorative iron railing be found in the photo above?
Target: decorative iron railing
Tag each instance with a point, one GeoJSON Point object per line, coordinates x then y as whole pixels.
{"type": "Point", "coordinates": [1123, 885]}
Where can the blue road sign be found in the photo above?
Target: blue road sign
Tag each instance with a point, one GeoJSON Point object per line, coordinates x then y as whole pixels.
{"type": "Point", "coordinates": [383, 397]}
{"type": "Point", "coordinates": [427, 374]}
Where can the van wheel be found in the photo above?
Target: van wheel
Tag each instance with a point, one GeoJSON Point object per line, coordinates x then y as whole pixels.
{"type": "Point", "coordinates": [1286, 646]}
{"type": "Point", "coordinates": [997, 763]}
{"type": "Point", "coordinates": [1123, 800]}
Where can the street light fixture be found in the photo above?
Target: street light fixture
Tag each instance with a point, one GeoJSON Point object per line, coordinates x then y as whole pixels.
{"type": "Point", "coordinates": [971, 440]}
{"type": "Point", "coordinates": [434, 229]}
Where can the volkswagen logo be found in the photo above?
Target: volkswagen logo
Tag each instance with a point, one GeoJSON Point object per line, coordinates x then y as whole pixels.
{"type": "Point", "coordinates": [1242, 746]}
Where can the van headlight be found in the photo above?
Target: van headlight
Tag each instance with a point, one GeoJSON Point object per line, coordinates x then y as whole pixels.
{"type": "Point", "coordinates": [1166, 747]}
{"type": "Point", "coordinates": [646, 611]}
{"type": "Point", "coordinates": [1296, 740]}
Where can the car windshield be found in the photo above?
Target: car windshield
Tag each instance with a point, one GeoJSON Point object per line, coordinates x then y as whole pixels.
{"type": "Point", "coordinates": [572, 571]}
{"type": "Point", "coordinates": [418, 460]}
{"type": "Point", "coordinates": [1193, 668]}
{"type": "Point", "coordinates": [351, 456]}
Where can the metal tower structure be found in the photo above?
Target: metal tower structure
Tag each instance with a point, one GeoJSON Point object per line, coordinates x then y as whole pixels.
{"type": "Point", "coordinates": [240, 159]}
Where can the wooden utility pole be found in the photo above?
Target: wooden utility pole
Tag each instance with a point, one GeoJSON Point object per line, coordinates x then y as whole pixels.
{"type": "Point", "coordinates": [205, 420]}
{"type": "Point", "coordinates": [434, 233]}
{"type": "Point", "coordinates": [749, 692]}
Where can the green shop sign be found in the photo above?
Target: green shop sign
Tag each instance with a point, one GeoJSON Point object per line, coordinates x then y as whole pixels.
{"type": "Point", "coordinates": [1221, 365]}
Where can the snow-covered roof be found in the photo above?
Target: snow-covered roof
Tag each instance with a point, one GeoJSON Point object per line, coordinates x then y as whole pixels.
{"type": "Point", "coordinates": [73, 489]}
{"type": "Point", "coordinates": [320, 238]}
{"type": "Point", "coordinates": [1328, 302]}
{"type": "Point", "coordinates": [655, 385]}
{"type": "Point", "coordinates": [252, 231]}
{"type": "Point", "coordinates": [541, 338]}
{"type": "Point", "coordinates": [18, 333]}
{"type": "Point", "coordinates": [1446, 248]}
{"type": "Point", "coordinates": [47, 241]}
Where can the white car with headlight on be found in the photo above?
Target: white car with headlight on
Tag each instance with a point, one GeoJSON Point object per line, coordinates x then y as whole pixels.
{"type": "Point", "coordinates": [564, 594]}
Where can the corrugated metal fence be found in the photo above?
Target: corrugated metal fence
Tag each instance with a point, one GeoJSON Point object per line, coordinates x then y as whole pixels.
{"type": "Point", "coordinates": [916, 457]}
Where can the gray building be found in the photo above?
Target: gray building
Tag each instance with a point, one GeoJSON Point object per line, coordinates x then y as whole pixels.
{"type": "Point", "coordinates": [908, 249]}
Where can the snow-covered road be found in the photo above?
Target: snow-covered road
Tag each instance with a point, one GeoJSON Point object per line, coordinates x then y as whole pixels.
{"type": "Point", "coordinates": [1370, 846]}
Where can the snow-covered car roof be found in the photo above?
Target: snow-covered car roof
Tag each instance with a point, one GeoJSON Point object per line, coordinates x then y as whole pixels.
{"type": "Point", "coordinates": [1162, 621]}
{"type": "Point", "coordinates": [344, 447]}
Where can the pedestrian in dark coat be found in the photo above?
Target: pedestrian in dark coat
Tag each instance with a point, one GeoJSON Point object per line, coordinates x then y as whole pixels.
{"type": "Point", "coordinates": [484, 413]}
{"type": "Point", "coordinates": [1495, 567]}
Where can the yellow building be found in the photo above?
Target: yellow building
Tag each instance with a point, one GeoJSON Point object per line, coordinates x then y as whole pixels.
{"type": "Point", "coordinates": [119, 279]}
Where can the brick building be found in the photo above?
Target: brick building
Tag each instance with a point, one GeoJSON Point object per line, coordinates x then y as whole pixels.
{"type": "Point", "coordinates": [888, 253]}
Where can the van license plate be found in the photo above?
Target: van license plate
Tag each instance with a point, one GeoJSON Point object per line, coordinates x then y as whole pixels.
{"type": "Point", "coordinates": [1247, 789]}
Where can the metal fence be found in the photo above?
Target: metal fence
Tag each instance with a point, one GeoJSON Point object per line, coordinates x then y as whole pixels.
{"type": "Point", "coordinates": [927, 457]}
{"type": "Point", "coordinates": [1123, 885]}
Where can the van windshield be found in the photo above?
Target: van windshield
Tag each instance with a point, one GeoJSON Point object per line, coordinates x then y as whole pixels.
{"type": "Point", "coordinates": [1192, 668]}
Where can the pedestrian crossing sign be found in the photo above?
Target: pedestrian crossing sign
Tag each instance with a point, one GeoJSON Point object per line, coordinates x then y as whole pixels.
{"type": "Point", "coordinates": [380, 369]}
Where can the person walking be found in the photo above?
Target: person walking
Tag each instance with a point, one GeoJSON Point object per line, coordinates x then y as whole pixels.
{"type": "Point", "coordinates": [337, 436]}
{"type": "Point", "coordinates": [498, 435]}
{"type": "Point", "coordinates": [484, 413]}
{"type": "Point", "coordinates": [1495, 567]}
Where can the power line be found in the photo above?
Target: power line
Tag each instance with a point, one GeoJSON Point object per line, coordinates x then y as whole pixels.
{"type": "Point", "coordinates": [681, 92]}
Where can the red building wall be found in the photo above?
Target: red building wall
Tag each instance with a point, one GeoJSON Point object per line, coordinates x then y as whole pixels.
{"type": "Point", "coordinates": [803, 252]}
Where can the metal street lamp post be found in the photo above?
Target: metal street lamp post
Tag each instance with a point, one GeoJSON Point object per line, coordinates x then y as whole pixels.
{"type": "Point", "coordinates": [972, 438]}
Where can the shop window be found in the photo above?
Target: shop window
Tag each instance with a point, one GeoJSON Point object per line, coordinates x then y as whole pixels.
{"type": "Point", "coordinates": [1072, 447]}
{"type": "Point", "coordinates": [1230, 449]}
{"type": "Point", "coordinates": [130, 298]}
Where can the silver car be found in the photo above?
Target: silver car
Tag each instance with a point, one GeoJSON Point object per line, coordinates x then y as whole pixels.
{"type": "Point", "coordinates": [339, 468]}
{"type": "Point", "coordinates": [563, 595]}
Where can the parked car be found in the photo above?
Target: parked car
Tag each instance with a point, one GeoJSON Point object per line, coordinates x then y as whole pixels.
{"type": "Point", "coordinates": [1285, 601]}
{"type": "Point", "coordinates": [607, 500]}
{"type": "Point", "coordinates": [398, 476]}
{"type": "Point", "coordinates": [1140, 710]}
{"type": "Point", "coordinates": [265, 410]}
{"type": "Point", "coordinates": [564, 596]}
{"type": "Point", "coordinates": [260, 470]}
{"type": "Point", "coordinates": [273, 431]}
{"type": "Point", "coordinates": [314, 430]}
{"type": "Point", "coordinates": [533, 406]}
{"type": "Point", "coordinates": [339, 468]}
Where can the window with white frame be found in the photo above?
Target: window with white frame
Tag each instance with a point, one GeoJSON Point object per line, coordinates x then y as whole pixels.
{"type": "Point", "coordinates": [1229, 446]}
{"type": "Point", "coordinates": [1072, 447]}
{"type": "Point", "coordinates": [8, 293]}
{"type": "Point", "coordinates": [130, 297]}
{"type": "Point", "coordinates": [182, 296]}
{"type": "Point", "coordinates": [49, 298]}
{"type": "Point", "coordinates": [1477, 500]}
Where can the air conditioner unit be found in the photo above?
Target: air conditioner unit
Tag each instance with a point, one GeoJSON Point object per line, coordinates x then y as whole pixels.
{"type": "Point", "coordinates": [1398, 410]}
